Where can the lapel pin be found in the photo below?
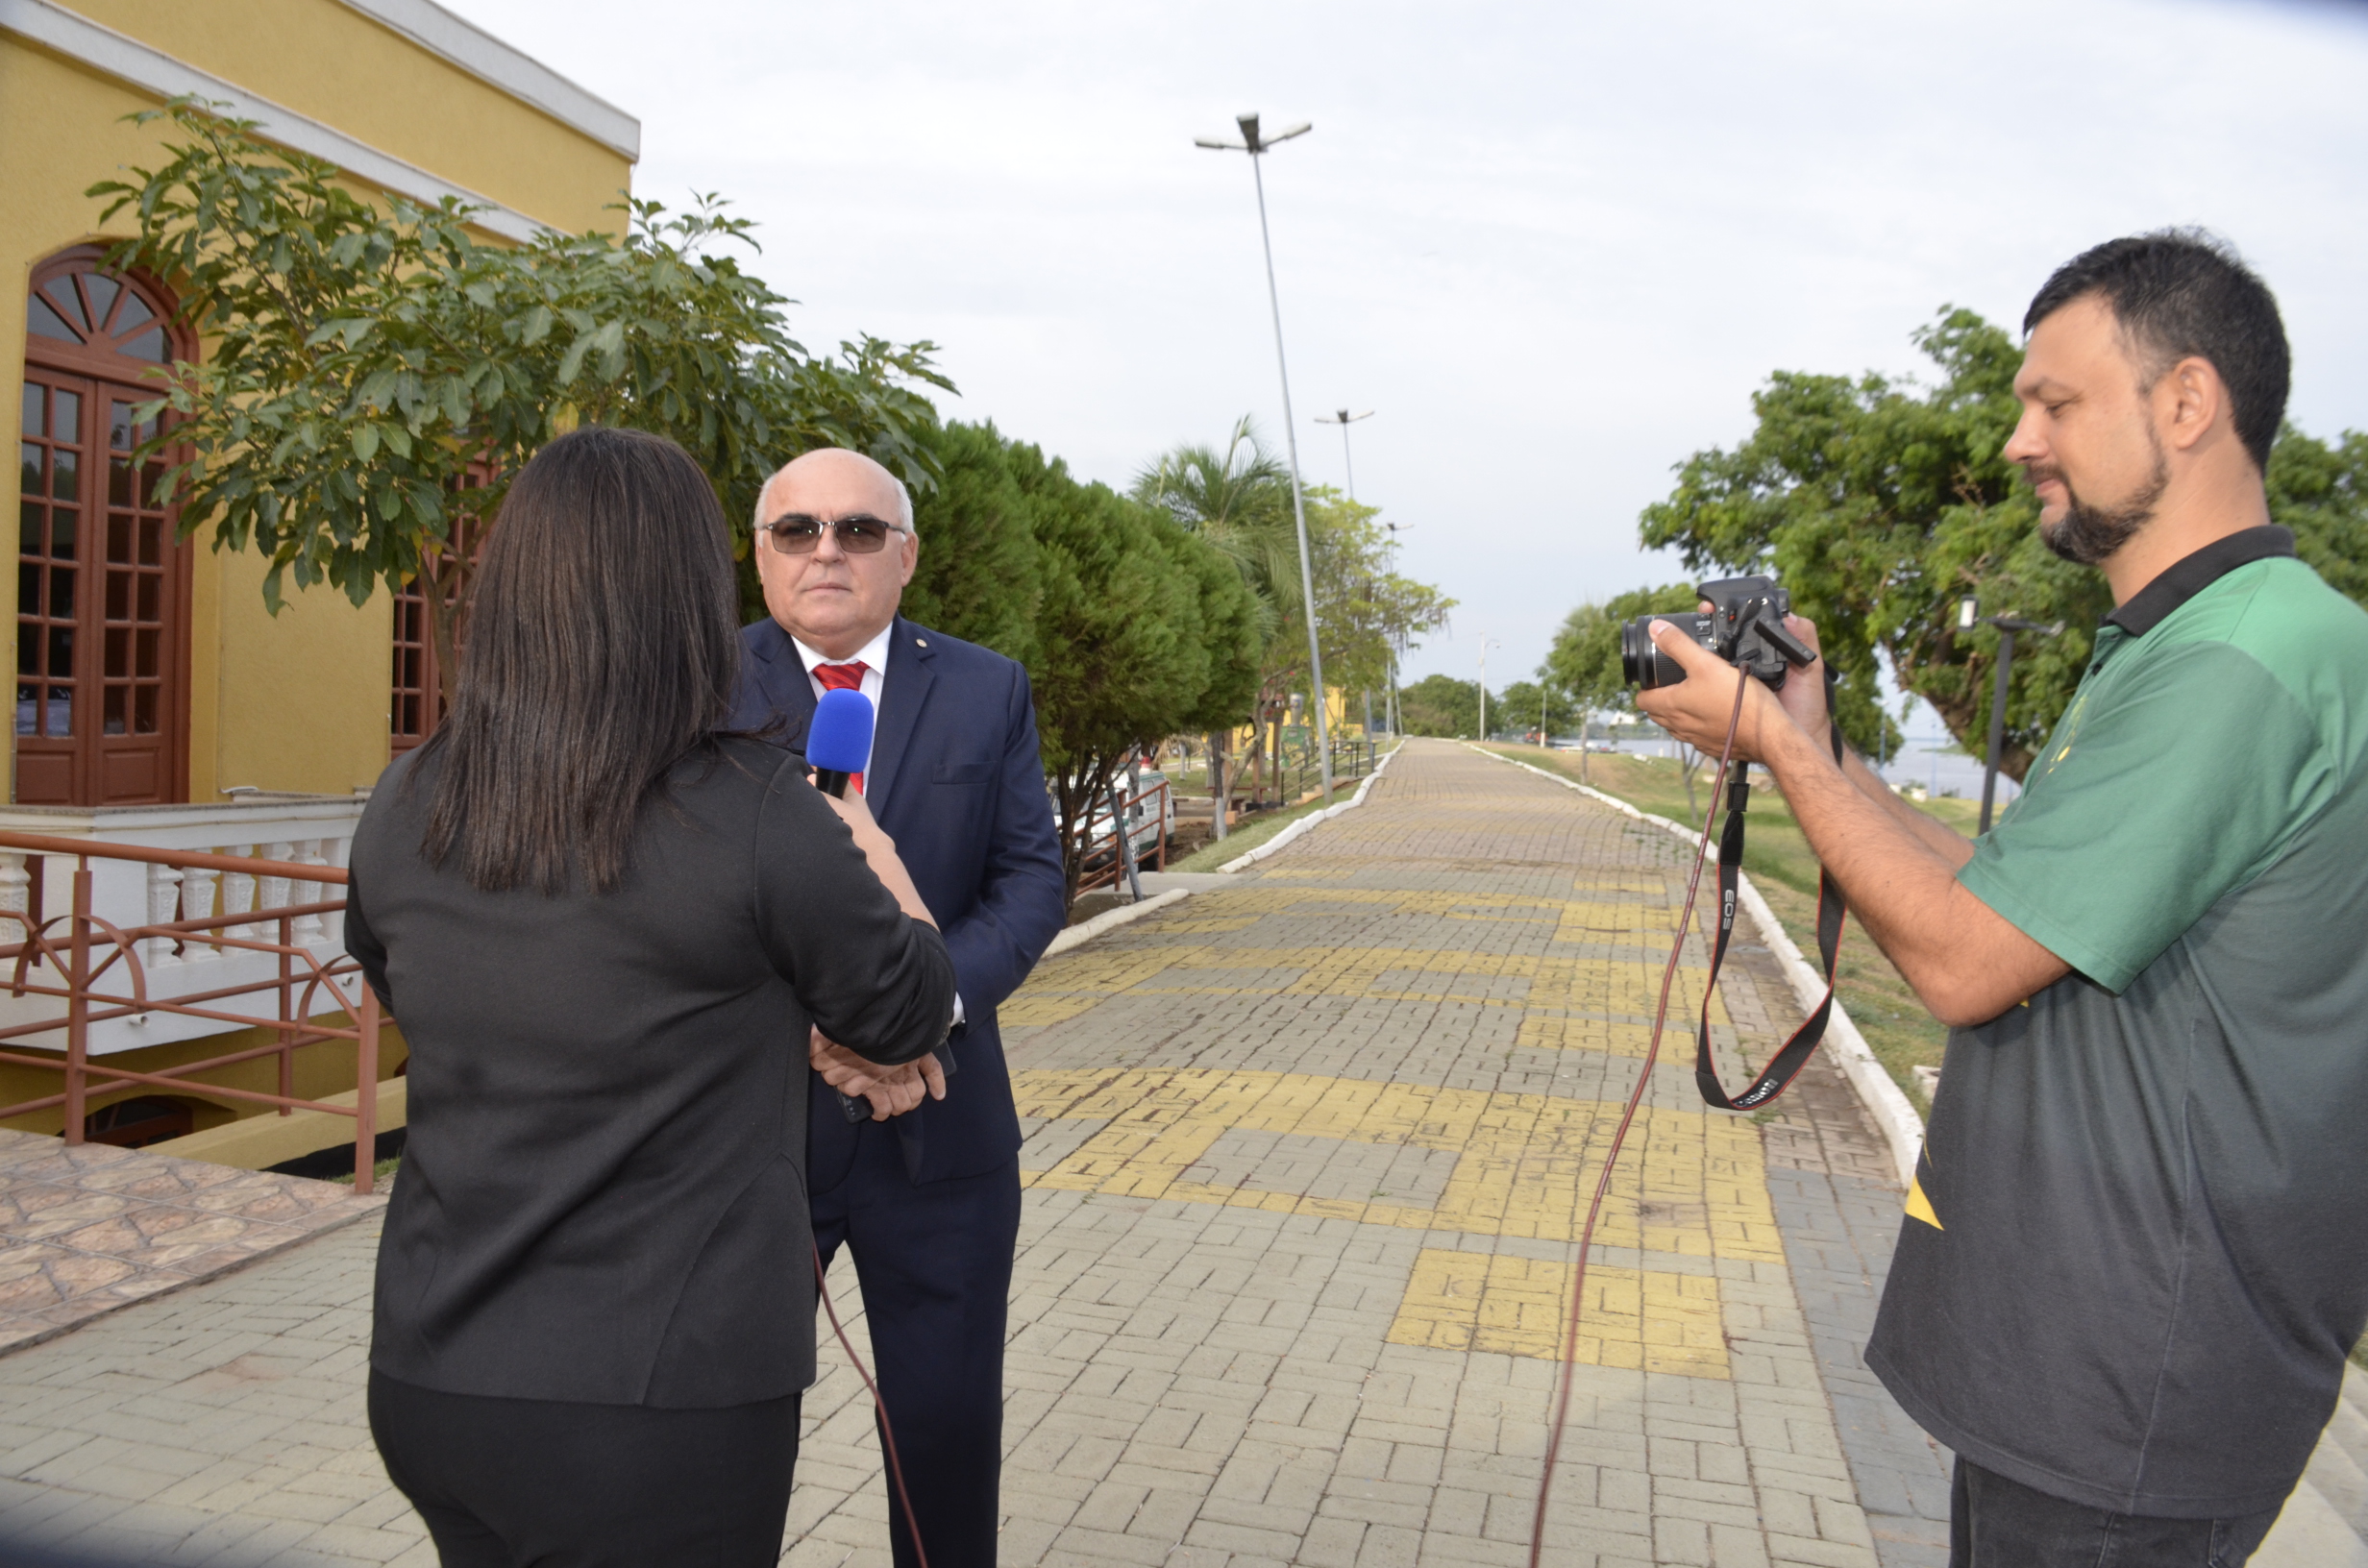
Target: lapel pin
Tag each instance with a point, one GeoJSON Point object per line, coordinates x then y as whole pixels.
{"type": "Point", "coordinates": [921, 642]}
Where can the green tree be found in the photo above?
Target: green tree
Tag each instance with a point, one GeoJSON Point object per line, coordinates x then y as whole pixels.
{"type": "Point", "coordinates": [980, 576]}
{"type": "Point", "coordinates": [1366, 611]}
{"type": "Point", "coordinates": [1140, 629]}
{"type": "Point", "coordinates": [1880, 504]}
{"type": "Point", "coordinates": [377, 374]}
{"type": "Point", "coordinates": [1521, 705]}
{"type": "Point", "coordinates": [1230, 629]}
{"type": "Point", "coordinates": [2321, 492]}
{"type": "Point", "coordinates": [1443, 706]}
{"type": "Point", "coordinates": [1585, 658]}
{"type": "Point", "coordinates": [1238, 498]}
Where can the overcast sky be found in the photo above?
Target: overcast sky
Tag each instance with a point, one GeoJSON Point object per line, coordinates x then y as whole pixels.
{"type": "Point", "coordinates": [1553, 247]}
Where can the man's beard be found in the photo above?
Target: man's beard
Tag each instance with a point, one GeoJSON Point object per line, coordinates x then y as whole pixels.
{"type": "Point", "coordinates": [2089, 534]}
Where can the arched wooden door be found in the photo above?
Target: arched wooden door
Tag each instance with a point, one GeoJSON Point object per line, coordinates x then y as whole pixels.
{"type": "Point", "coordinates": [103, 585]}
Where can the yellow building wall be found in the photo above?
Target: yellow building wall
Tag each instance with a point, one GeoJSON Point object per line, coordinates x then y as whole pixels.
{"type": "Point", "coordinates": [293, 702]}
{"type": "Point", "coordinates": [298, 701]}
{"type": "Point", "coordinates": [333, 64]}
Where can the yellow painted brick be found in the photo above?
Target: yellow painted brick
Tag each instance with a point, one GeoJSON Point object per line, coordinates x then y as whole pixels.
{"type": "Point", "coordinates": [1526, 1165]}
{"type": "Point", "coordinates": [1648, 1320]}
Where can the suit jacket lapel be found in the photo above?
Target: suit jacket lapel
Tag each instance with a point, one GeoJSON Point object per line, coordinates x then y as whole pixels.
{"type": "Point", "coordinates": [906, 688]}
{"type": "Point", "coordinates": [788, 691]}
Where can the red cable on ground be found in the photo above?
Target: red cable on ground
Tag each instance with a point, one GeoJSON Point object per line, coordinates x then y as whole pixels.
{"type": "Point", "coordinates": [1564, 1376]}
{"type": "Point", "coordinates": [887, 1433]}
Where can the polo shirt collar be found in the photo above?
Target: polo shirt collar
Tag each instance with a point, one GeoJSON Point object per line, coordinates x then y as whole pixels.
{"type": "Point", "coordinates": [2152, 605]}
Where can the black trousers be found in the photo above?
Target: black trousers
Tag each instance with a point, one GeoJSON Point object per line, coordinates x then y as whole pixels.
{"type": "Point", "coordinates": [1997, 1523]}
{"type": "Point", "coordinates": [541, 1483]}
{"type": "Point", "coordinates": [934, 1263]}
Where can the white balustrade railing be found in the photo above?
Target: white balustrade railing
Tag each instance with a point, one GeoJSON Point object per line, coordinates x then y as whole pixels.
{"type": "Point", "coordinates": [308, 830]}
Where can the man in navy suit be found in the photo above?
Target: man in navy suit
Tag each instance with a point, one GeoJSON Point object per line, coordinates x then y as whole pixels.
{"type": "Point", "coordinates": [926, 1190]}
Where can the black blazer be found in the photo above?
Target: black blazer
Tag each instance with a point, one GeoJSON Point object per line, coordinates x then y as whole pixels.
{"type": "Point", "coordinates": [602, 1196]}
{"type": "Point", "coordinates": [956, 781]}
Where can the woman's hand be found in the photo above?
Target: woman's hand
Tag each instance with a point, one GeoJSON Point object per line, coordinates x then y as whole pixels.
{"type": "Point", "coordinates": [891, 1091]}
{"type": "Point", "coordinates": [880, 850]}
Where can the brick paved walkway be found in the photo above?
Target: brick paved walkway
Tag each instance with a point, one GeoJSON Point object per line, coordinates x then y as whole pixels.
{"type": "Point", "coordinates": [1308, 1158]}
{"type": "Point", "coordinates": [1305, 1158]}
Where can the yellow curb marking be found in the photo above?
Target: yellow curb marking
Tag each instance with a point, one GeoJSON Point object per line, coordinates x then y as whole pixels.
{"type": "Point", "coordinates": [1637, 1319]}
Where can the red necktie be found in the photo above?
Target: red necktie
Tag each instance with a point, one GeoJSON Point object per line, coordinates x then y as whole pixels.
{"type": "Point", "coordinates": [843, 677]}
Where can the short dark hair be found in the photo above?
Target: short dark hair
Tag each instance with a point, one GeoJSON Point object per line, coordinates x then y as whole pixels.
{"type": "Point", "coordinates": [603, 647]}
{"type": "Point", "coordinates": [2178, 292]}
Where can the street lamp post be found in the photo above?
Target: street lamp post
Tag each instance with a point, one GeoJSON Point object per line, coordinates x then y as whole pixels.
{"type": "Point", "coordinates": [1395, 711]}
{"type": "Point", "coordinates": [1486, 643]}
{"type": "Point", "coordinates": [1256, 146]}
{"type": "Point", "coordinates": [1344, 419]}
{"type": "Point", "coordinates": [2008, 626]}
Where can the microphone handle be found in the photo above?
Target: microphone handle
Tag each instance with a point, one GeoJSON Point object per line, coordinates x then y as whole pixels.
{"type": "Point", "coordinates": [830, 781]}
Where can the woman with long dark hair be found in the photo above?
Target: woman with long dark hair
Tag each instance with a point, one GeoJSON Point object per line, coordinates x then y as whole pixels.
{"type": "Point", "coordinates": [605, 929]}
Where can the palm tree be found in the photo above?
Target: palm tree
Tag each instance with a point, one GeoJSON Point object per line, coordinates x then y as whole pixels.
{"type": "Point", "coordinates": [1240, 501]}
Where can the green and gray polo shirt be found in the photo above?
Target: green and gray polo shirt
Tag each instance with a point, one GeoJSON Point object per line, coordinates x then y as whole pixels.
{"type": "Point", "coordinates": [2137, 1250]}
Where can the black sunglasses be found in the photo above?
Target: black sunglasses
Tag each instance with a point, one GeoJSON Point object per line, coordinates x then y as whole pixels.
{"type": "Point", "coordinates": [797, 534]}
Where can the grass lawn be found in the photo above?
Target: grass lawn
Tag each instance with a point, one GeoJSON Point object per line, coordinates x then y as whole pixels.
{"type": "Point", "coordinates": [379, 1173]}
{"type": "Point", "coordinates": [1249, 835]}
{"type": "Point", "coordinates": [1898, 1030]}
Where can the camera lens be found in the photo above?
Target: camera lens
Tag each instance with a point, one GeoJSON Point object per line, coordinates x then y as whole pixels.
{"type": "Point", "coordinates": [1634, 654]}
{"type": "Point", "coordinates": [1643, 663]}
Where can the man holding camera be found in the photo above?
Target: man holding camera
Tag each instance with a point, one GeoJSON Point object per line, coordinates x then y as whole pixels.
{"type": "Point", "coordinates": [2133, 1261]}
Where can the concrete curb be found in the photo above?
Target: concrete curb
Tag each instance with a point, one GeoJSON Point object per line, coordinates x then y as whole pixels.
{"type": "Point", "coordinates": [1893, 1113]}
{"type": "Point", "coordinates": [1078, 936]}
{"type": "Point", "coordinates": [1307, 823]}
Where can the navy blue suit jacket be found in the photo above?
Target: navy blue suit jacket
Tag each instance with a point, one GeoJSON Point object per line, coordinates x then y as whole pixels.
{"type": "Point", "coordinates": [955, 780]}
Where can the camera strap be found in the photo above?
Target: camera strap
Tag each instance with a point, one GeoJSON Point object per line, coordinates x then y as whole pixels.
{"type": "Point", "coordinates": [1793, 1056]}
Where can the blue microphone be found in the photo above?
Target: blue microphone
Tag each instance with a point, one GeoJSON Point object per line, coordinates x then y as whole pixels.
{"type": "Point", "coordinates": [838, 742]}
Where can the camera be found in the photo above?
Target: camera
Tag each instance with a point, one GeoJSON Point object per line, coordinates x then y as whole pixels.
{"type": "Point", "coordinates": [1746, 627]}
